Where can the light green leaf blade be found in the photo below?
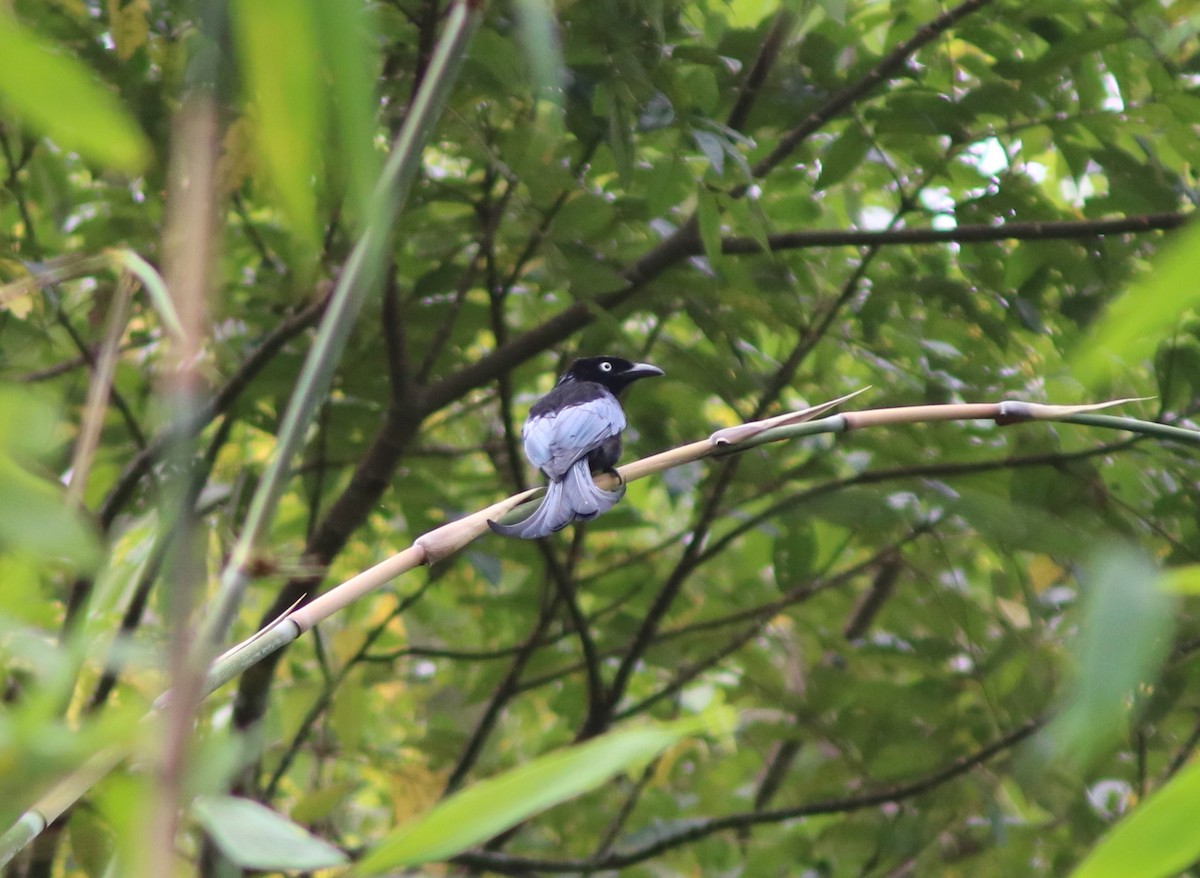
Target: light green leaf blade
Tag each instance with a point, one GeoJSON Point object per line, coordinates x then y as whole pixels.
{"type": "Point", "coordinates": [346, 31]}
{"type": "Point", "coordinates": [1158, 839]}
{"type": "Point", "coordinates": [57, 96]}
{"type": "Point", "coordinates": [255, 837]}
{"type": "Point", "coordinates": [1145, 314]}
{"type": "Point", "coordinates": [1123, 636]}
{"type": "Point", "coordinates": [279, 48]}
{"type": "Point", "coordinates": [34, 517]}
{"type": "Point", "coordinates": [491, 806]}
{"type": "Point", "coordinates": [539, 39]}
{"type": "Point", "coordinates": [708, 214]}
{"type": "Point", "coordinates": [153, 284]}
{"type": "Point", "coordinates": [1182, 580]}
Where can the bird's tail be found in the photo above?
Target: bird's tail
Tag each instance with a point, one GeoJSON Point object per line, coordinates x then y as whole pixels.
{"type": "Point", "coordinates": [576, 498]}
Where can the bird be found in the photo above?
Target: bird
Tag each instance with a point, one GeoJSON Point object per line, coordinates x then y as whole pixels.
{"type": "Point", "coordinates": [572, 432]}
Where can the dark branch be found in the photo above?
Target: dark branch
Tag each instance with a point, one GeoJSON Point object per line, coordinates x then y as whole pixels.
{"type": "Point", "coordinates": [889, 65]}
{"type": "Point", "coordinates": [795, 594]}
{"type": "Point", "coordinates": [966, 234]}
{"type": "Point", "coordinates": [291, 326]}
{"type": "Point", "coordinates": [768, 52]}
{"type": "Point", "coordinates": [504, 692]}
{"type": "Point", "coordinates": [510, 865]}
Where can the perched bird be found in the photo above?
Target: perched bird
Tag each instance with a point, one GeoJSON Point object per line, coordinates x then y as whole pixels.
{"type": "Point", "coordinates": [572, 432]}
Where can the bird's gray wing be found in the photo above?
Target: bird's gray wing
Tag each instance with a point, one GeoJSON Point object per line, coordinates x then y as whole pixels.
{"type": "Point", "coordinates": [556, 440]}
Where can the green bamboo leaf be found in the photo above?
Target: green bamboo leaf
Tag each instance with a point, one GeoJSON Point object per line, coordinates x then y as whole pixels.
{"type": "Point", "coordinates": [708, 214]}
{"type": "Point", "coordinates": [35, 519]}
{"type": "Point", "coordinates": [350, 54]}
{"type": "Point", "coordinates": [255, 837]}
{"type": "Point", "coordinates": [842, 157]}
{"type": "Point", "coordinates": [153, 284]}
{"type": "Point", "coordinates": [493, 805]}
{"type": "Point", "coordinates": [359, 278]}
{"type": "Point", "coordinates": [1145, 314]}
{"type": "Point", "coordinates": [539, 39]}
{"type": "Point", "coordinates": [1157, 839]}
{"type": "Point", "coordinates": [57, 96]}
{"type": "Point", "coordinates": [280, 51]}
{"type": "Point", "coordinates": [1123, 636]}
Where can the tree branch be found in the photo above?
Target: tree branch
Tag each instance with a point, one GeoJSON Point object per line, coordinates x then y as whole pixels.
{"type": "Point", "coordinates": [965, 234]}
{"type": "Point", "coordinates": [768, 53]}
{"type": "Point", "coordinates": [270, 345]}
{"type": "Point", "coordinates": [508, 864]}
{"type": "Point", "coordinates": [504, 692]}
{"type": "Point", "coordinates": [795, 594]}
{"type": "Point", "coordinates": [890, 64]}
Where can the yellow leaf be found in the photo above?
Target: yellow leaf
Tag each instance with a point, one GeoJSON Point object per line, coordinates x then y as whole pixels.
{"type": "Point", "coordinates": [1015, 612]}
{"type": "Point", "coordinates": [74, 7]}
{"type": "Point", "coordinates": [1181, 580]}
{"type": "Point", "coordinates": [236, 162]}
{"type": "Point", "coordinates": [1043, 572]}
{"type": "Point", "coordinates": [16, 296]}
{"type": "Point", "coordinates": [415, 789]}
{"type": "Point", "coordinates": [345, 644]}
{"type": "Point", "coordinates": [130, 25]}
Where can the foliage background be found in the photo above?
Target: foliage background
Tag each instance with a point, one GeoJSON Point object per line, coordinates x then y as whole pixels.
{"type": "Point", "coordinates": [777, 205]}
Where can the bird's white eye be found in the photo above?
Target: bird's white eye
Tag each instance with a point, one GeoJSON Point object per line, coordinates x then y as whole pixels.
{"type": "Point", "coordinates": [606, 366]}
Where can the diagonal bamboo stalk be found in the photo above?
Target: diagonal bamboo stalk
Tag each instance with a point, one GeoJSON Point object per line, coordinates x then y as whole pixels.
{"type": "Point", "coordinates": [98, 391]}
{"type": "Point", "coordinates": [359, 278]}
{"type": "Point", "coordinates": [450, 538]}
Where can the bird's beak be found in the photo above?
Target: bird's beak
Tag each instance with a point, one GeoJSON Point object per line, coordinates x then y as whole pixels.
{"type": "Point", "coordinates": [642, 370]}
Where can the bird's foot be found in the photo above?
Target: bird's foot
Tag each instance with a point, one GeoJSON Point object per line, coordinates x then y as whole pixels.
{"type": "Point", "coordinates": [616, 475]}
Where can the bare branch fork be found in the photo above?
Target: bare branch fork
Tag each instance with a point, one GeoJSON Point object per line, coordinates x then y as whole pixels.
{"type": "Point", "coordinates": [445, 541]}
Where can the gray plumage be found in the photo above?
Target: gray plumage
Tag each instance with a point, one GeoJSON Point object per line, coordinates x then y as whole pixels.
{"type": "Point", "coordinates": [571, 432]}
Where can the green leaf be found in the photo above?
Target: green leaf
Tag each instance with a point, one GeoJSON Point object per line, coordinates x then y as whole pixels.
{"type": "Point", "coordinates": [708, 213]}
{"type": "Point", "coordinates": [33, 515]}
{"type": "Point", "coordinates": [1145, 314]}
{"type": "Point", "coordinates": [491, 806]}
{"type": "Point", "coordinates": [1158, 839]}
{"type": "Point", "coordinates": [346, 36]}
{"type": "Point", "coordinates": [153, 284]}
{"type": "Point", "coordinates": [835, 9]}
{"type": "Point", "coordinates": [57, 96]}
{"type": "Point", "coordinates": [1182, 580]}
{"type": "Point", "coordinates": [620, 134]}
{"type": "Point", "coordinates": [539, 39]}
{"type": "Point", "coordinates": [843, 156]}
{"type": "Point", "coordinates": [713, 148]}
{"type": "Point", "coordinates": [748, 13]}
{"type": "Point", "coordinates": [255, 837]}
{"type": "Point", "coordinates": [34, 518]}
{"type": "Point", "coordinates": [1123, 636]}
{"type": "Point", "coordinates": [279, 51]}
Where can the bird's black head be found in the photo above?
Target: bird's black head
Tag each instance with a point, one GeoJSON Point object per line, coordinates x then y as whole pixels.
{"type": "Point", "coordinates": [612, 372]}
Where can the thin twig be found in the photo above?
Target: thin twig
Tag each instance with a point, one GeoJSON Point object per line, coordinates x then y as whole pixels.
{"type": "Point", "coordinates": [1036, 230]}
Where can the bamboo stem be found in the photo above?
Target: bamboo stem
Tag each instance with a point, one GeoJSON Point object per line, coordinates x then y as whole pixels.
{"type": "Point", "coordinates": [357, 281]}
